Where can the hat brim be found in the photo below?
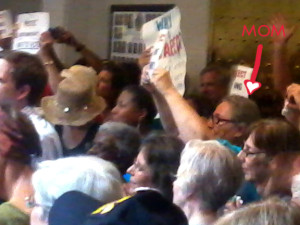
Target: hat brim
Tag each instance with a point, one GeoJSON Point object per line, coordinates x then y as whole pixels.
{"type": "Point", "coordinates": [72, 208]}
{"type": "Point", "coordinates": [57, 115]}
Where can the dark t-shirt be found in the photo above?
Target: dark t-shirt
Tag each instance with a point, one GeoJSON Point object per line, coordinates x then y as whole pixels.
{"type": "Point", "coordinates": [84, 145]}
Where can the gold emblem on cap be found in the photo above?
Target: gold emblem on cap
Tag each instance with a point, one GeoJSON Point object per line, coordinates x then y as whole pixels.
{"type": "Point", "coordinates": [108, 207]}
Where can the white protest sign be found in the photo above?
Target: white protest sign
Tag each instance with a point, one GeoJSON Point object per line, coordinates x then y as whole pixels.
{"type": "Point", "coordinates": [30, 27]}
{"type": "Point", "coordinates": [6, 24]}
{"type": "Point", "coordinates": [158, 49]}
{"type": "Point", "coordinates": [241, 73]}
{"type": "Point", "coordinates": [173, 57]}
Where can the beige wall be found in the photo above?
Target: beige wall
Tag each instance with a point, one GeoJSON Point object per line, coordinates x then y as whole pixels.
{"type": "Point", "coordinates": [21, 6]}
{"type": "Point", "coordinates": [89, 21]}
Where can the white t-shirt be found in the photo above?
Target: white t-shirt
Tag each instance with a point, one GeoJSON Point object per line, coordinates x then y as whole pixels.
{"type": "Point", "coordinates": [50, 142]}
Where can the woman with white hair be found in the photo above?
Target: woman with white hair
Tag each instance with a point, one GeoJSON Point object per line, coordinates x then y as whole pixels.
{"type": "Point", "coordinates": [208, 175]}
{"type": "Point", "coordinates": [93, 176]}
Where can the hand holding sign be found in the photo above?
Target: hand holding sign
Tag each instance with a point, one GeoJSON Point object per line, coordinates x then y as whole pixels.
{"type": "Point", "coordinates": [162, 81]}
{"type": "Point", "coordinates": [157, 51]}
{"type": "Point", "coordinates": [144, 58]}
{"type": "Point", "coordinates": [173, 57]}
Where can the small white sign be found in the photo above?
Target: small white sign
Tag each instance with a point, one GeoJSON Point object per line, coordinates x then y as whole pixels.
{"type": "Point", "coordinates": [241, 73]}
{"type": "Point", "coordinates": [6, 24]}
{"type": "Point", "coordinates": [30, 27]}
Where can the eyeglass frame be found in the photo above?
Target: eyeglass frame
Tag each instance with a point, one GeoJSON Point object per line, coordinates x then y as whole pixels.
{"type": "Point", "coordinates": [246, 152]}
{"type": "Point", "coordinates": [216, 120]}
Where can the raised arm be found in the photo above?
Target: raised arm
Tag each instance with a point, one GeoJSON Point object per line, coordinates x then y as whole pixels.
{"type": "Point", "coordinates": [162, 106]}
{"type": "Point", "coordinates": [51, 62]}
{"type": "Point", "coordinates": [90, 57]}
{"type": "Point", "coordinates": [281, 73]}
{"type": "Point", "coordinates": [189, 124]}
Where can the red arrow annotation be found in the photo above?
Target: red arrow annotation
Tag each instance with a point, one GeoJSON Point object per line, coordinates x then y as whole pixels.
{"type": "Point", "coordinates": [252, 85]}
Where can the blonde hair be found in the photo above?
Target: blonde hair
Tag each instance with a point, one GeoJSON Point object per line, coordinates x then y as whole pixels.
{"type": "Point", "coordinates": [272, 211]}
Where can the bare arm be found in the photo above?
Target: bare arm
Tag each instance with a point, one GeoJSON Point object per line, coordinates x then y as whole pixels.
{"type": "Point", "coordinates": [281, 73]}
{"type": "Point", "coordinates": [163, 109]}
{"type": "Point", "coordinates": [91, 58]}
{"type": "Point", "coordinates": [161, 104]}
{"type": "Point", "coordinates": [189, 124]}
{"type": "Point", "coordinates": [51, 62]}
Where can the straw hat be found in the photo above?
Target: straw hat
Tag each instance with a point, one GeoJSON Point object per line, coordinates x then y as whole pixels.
{"type": "Point", "coordinates": [75, 102]}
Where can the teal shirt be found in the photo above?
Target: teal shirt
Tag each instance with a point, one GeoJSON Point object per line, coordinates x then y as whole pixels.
{"type": "Point", "coordinates": [10, 215]}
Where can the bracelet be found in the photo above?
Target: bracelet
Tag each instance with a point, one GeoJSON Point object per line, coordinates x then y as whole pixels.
{"type": "Point", "coordinates": [47, 63]}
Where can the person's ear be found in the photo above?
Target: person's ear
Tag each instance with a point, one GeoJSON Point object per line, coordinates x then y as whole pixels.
{"type": "Point", "coordinates": [240, 131]}
{"type": "Point", "coordinates": [23, 92]}
{"type": "Point", "coordinates": [6, 145]}
{"type": "Point", "coordinates": [143, 115]}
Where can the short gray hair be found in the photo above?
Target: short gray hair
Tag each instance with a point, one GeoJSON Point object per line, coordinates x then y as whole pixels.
{"type": "Point", "coordinates": [210, 171]}
{"type": "Point", "coordinates": [244, 110]}
{"type": "Point", "coordinates": [128, 137]}
{"type": "Point", "coordinates": [124, 148]}
{"type": "Point", "coordinates": [93, 176]}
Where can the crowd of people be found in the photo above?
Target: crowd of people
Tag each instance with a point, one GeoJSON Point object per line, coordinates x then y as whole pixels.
{"type": "Point", "coordinates": [83, 145]}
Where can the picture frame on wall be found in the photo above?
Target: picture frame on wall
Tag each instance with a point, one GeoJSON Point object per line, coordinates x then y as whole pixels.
{"type": "Point", "coordinates": [126, 23]}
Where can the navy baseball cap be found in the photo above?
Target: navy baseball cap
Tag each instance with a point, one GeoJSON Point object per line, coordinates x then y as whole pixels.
{"type": "Point", "coordinates": [72, 208]}
{"type": "Point", "coordinates": [144, 208]}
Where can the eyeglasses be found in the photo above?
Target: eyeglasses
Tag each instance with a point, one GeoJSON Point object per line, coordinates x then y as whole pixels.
{"type": "Point", "coordinates": [217, 120]}
{"type": "Point", "coordinates": [247, 153]}
{"type": "Point", "coordinates": [30, 202]}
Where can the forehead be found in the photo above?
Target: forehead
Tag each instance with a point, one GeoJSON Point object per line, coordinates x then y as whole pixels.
{"type": "Point", "coordinates": [5, 67]}
{"type": "Point", "coordinates": [249, 142]}
{"type": "Point", "coordinates": [211, 76]}
{"type": "Point", "coordinates": [141, 157]}
{"type": "Point", "coordinates": [125, 96]}
{"type": "Point", "coordinates": [105, 74]}
{"type": "Point", "coordinates": [224, 109]}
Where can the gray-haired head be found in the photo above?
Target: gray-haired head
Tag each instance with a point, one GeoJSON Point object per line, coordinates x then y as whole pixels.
{"type": "Point", "coordinates": [244, 110]}
{"type": "Point", "coordinates": [209, 172]}
{"type": "Point", "coordinates": [91, 175]}
{"type": "Point", "coordinates": [118, 143]}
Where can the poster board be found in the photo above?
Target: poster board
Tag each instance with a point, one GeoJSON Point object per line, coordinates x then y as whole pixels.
{"type": "Point", "coordinates": [173, 57]}
{"type": "Point", "coordinates": [6, 24]}
{"type": "Point", "coordinates": [30, 27]}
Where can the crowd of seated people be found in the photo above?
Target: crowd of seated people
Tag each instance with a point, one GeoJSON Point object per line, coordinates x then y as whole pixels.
{"type": "Point", "coordinates": [93, 151]}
